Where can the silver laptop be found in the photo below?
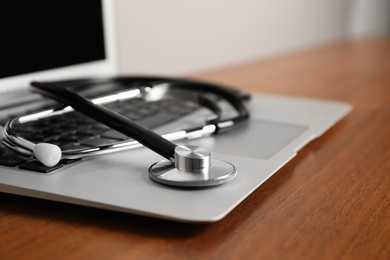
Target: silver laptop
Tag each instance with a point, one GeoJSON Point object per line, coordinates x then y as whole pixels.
{"type": "Point", "coordinates": [83, 45]}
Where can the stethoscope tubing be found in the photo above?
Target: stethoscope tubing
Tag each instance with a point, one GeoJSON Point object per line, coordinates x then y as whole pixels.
{"type": "Point", "coordinates": [24, 147]}
{"type": "Point", "coordinates": [163, 146]}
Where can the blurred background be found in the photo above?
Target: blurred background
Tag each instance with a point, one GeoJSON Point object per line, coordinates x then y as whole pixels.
{"type": "Point", "coordinates": [179, 37]}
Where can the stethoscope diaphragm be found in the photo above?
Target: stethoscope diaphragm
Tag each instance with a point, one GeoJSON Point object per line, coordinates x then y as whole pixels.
{"type": "Point", "coordinates": [192, 167]}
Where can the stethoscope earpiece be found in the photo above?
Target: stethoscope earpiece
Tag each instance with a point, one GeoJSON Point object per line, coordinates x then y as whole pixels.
{"type": "Point", "coordinates": [192, 167]}
{"type": "Point", "coordinates": [47, 154]}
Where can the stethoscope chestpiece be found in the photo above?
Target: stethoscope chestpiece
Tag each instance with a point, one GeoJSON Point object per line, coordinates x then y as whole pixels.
{"type": "Point", "coordinates": [192, 167]}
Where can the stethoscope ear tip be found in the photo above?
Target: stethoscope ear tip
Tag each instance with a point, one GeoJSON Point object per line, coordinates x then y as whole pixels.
{"type": "Point", "coordinates": [47, 154]}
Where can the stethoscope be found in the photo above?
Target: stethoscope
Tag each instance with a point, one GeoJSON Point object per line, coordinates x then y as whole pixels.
{"type": "Point", "coordinates": [184, 165]}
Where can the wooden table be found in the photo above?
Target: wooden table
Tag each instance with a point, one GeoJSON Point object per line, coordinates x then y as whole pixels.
{"type": "Point", "coordinates": [331, 201]}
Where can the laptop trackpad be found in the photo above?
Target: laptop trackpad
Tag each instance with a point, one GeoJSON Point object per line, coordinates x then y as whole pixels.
{"type": "Point", "coordinates": [257, 139]}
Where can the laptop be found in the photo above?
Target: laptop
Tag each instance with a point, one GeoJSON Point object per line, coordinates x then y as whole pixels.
{"type": "Point", "coordinates": [82, 43]}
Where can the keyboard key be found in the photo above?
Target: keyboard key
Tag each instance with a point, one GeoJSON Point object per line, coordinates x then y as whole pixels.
{"type": "Point", "coordinates": [157, 119]}
{"type": "Point", "coordinates": [75, 138]}
{"type": "Point", "coordinates": [99, 141]}
{"type": "Point", "coordinates": [68, 161]}
{"type": "Point", "coordinates": [115, 135]}
{"type": "Point", "coordinates": [11, 160]}
{"type": "Point", "coordinates": [72, 146]}
{"type": "Point", "coordinates": [90, 131]}
{"type": "Point", "coordinates": [4, 150]}
{"type": "Point", "coordinates": [39, 167]}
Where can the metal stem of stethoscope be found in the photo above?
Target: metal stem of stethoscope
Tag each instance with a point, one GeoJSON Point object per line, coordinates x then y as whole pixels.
{"type": "Point", "coordinates": [189, 166]}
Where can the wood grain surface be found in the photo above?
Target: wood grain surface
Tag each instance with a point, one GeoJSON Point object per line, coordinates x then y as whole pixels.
{"type": "Point", "coordinates": [331, 201]}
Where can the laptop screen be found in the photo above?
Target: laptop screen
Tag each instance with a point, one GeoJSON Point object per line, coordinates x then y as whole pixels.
{"type": "Point", "coordinates": [55, 40]}
{"type": "Point", "coordinates": [43, 34]}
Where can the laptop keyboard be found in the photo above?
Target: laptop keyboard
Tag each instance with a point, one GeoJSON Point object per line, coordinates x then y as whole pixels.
{"type": "Point", "coordinates": [73, 130]}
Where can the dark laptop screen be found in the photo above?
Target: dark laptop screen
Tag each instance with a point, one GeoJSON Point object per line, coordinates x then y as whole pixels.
{"type": "Point", "coordinates": [44, 34]}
